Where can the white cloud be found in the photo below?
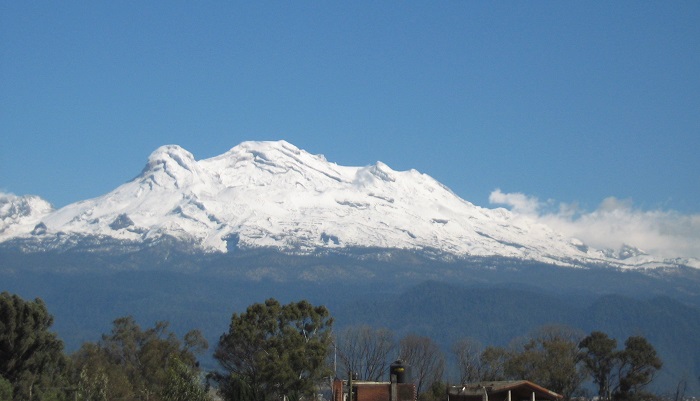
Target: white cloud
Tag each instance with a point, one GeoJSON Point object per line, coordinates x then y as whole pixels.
{"type": "Point", "coordinates": [615, 222]}
{"type": "Point", "coordinates": [519, 203]}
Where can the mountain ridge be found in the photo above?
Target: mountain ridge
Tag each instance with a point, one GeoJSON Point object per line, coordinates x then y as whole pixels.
{"type": "Point", "coordinates": [273, 194]}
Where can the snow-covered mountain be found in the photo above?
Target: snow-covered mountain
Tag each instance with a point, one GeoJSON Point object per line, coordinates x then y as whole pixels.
{"type": "Point", "coordinates": [17, 213]}
{"type": "Point", "coordinates": [272, 194]}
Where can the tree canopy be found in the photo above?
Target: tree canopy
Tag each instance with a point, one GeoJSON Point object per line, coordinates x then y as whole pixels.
{"type": "Point", "coordinates": [31, 356]}
{"type": "Point", "coordinates": [466, 352]}
{"type": "Point", "coordinates": [638, 365]}
{"type": "Point", "coordinates": [619, 374]}
{"type": "Point", "coordinates": [273, 350]}
{"type": "Point", "coordinates": [599, 356]}
{"type": "Point", "coordinates": [365, 350]}
{"type": "Point", "coordinates": [550, 358]}
{"type": "Point", "coordinates": [426, 360]}
{"type": "Point", "coordinates": [132, 363]}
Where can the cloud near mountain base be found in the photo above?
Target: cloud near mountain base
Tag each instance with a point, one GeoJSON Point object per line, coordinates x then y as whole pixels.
{"type": "Point", "coordinates": [615, 222]}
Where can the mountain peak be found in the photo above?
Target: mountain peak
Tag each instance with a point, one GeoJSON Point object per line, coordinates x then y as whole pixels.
{"type": "Point", "coordinates": [172, 157]}
{"type": "Point", "coordinates": [270, 153]}
{"type": "Point", "coordinates": [279, 145]}
{"type": "Point", "coordinates": [170, 166]}
{"type": "Point", "coordinates": [273, 163]}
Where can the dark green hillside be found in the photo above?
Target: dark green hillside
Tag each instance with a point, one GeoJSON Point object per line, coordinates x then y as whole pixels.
{"type": "Point", "coordinates": [445, 312]}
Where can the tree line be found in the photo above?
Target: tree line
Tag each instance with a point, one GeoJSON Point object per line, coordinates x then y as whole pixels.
{"type": "Point", "coordinates": [556, 357]}
{"type": "Point", "coordinates": [129, 363]}
{"type": "Point", "coordinates": [273, 351]}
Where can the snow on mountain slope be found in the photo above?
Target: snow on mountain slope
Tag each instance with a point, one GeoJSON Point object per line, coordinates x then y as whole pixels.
{"type": "Point", "coordinates": [21, 213]}
{"type": "Point", "coordinates": [272, 194]}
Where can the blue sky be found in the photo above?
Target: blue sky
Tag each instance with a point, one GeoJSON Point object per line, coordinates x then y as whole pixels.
{"type": "Point", "coordinates": [550, 108]}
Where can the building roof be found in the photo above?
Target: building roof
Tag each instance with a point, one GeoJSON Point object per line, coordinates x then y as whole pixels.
{"type": "Point", "coordinates": [519, 388]}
